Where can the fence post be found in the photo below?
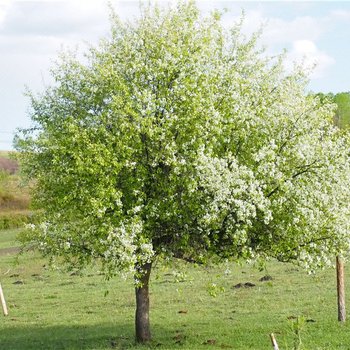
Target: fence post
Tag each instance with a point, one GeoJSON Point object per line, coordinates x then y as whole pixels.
{"type": "Point", "coordinates": [341, 290]}
{"type": "Point", "coordinates": [3, 302]}
{"type": "Point", "coordinates": [274, 342]}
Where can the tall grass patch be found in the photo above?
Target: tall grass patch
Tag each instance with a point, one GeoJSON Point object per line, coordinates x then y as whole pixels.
{"type": "Point", "coordinates": [14, 202]}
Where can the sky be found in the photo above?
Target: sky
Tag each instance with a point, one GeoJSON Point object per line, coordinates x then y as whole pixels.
{"type": "Point", "coordinates": [32, 33]}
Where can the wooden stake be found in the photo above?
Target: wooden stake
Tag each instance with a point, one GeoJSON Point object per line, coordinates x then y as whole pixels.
{"type": "Point", "coordinates": [274, 342]}
{"type": "Point", "coordinates": [341, 290]}
{"type": "Point", "coordinates": [3, 302]}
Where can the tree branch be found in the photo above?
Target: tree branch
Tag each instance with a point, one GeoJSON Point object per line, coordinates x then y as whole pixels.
{"type": "Point", "coordinates": [303, 169]}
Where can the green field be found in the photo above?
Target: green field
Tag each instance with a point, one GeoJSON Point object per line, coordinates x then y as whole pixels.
{"type": "Point", "coordinates": [57, 310]}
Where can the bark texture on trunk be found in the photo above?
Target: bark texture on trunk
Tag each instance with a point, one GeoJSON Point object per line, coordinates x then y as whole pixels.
{"type": "Point", "coordinates": [143, 330]}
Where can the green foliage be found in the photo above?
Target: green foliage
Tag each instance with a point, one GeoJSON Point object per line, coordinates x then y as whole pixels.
{"type": "Point", "coordinates": [342, 113]}
{"type": "Point", "coordinates": [178, 138]}
{"type": "Point", "coordinates": [297, 324]}
{"type": "Point", "coordinates": [213, 289]}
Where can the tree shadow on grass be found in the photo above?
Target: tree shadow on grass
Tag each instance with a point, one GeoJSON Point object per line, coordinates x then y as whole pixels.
{"type": "Point", "coordinates": [106, 336]}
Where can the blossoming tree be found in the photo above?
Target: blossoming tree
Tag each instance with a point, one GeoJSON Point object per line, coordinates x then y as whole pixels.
{"type": "Point", "coordinates": [178, 138]}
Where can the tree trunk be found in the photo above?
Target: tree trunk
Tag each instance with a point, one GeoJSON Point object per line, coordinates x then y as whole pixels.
{"type": "Point", "coordinates": [143, 331]}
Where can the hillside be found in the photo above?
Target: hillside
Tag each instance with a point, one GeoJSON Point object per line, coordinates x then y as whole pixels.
{"type": "Point", "coordinates": [14, 197]}
{"type": "Point", "coordinates": [8, 164]}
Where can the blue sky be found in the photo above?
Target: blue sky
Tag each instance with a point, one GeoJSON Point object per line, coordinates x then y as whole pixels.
{"type": "Point", "coordinates": [33, 32]}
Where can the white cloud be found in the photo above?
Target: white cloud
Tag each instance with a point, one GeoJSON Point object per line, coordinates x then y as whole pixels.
{"type": "Point", "coordinates": [54, 18]}
{"type": "Point", "coordinates": [4, 5]}
{"type": "Point", "coordinates": [312, 57]}
{"type": "Point", "coordinates": [298, 35]}
{"type": "Point", "coordinates": [277, 30]}
{"type": "Point", "coordinates": [300, 28]}
{"type": "Point", "coordinates": [341, 14]}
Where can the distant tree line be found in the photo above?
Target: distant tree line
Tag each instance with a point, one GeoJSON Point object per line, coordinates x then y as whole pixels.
{"type": "Point", "coordinates": [342, 100]}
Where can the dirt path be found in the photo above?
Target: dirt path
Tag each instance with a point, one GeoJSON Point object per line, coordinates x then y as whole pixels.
{"type": "Point", "coordinates": [9, 251]}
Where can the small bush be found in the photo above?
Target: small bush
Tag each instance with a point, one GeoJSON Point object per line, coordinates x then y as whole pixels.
{"type": "Point", "coordinates": [16, 219]}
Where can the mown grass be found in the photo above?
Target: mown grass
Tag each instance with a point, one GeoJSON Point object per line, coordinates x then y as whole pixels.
{"type": "Point", "coordinates": [8, 239]}
{"type": "Point", "coordinates": [56, 310]}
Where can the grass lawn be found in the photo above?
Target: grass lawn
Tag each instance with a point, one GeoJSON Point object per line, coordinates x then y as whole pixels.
{"type": "Point", "coordinates": [55, 310]}
{"type": "Point", "coordinates": [8, 239]}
